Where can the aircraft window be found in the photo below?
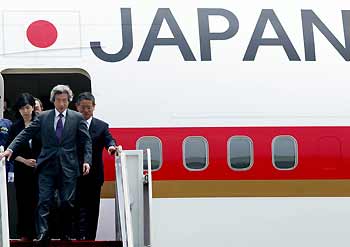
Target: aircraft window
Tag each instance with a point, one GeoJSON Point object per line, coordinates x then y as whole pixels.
{"type": "Point", "coordinates": [155, 145]}
{"type": "Point", "coordinates": [195, 153]}
{"type": "Point", "coordinates": [240, 152]}
{"type": "Point", "coordinates": [284, 152]}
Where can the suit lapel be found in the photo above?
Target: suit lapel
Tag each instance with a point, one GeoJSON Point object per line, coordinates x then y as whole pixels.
{"type": "Point", "coordinates": [92, 127]}
{"type": "Point", "coordinates": [51, 121]}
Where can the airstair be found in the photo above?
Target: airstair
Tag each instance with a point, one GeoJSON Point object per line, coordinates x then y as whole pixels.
{"type": "Point", "coordinates": [132, 205]}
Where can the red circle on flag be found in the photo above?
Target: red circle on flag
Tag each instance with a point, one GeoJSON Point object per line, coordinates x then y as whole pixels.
{"type": "Point", "coordinates": [42, 34]}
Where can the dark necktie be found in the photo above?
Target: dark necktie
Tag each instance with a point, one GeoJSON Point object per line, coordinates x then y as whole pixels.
{"type": "Point", "coordinates": [59, 127]}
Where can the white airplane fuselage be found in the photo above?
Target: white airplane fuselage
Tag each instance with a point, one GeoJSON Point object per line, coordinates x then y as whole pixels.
{"type": "Point", "coordinates": [217, 70]}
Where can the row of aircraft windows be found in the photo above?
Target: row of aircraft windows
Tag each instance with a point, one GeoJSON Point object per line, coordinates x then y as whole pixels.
{"type": "Point", "coordinates": [240, 152]}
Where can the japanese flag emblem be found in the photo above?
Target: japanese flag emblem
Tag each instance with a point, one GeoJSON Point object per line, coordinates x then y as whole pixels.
{"type": "Point", "coordinates": [41, 33]}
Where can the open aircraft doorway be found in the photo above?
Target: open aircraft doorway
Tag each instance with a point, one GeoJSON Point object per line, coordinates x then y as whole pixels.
{"type": "Point", "coordinates": [39, 83]}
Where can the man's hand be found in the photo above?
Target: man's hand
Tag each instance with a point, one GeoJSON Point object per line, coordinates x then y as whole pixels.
{"type": "Point", "coordinates": [7, 154]}
{"type": "Point", "coordinates": [112, 150]}
{"type": "Point", "coordinates": [30, 162]}
{"type": "Point", "coordinates": [86, 169]}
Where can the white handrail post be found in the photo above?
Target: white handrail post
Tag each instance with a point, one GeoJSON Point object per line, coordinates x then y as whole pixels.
{"type": "Point", "coordinates": [4, 227]}
{"type": "Point", "coordinates": [130, 199]}
{"type": "Point", "coordinates": [119, 203]}
{"type": "Point", "coordinates": [129, 231]}
{"type": "Point", "coordinates": [148, 201]}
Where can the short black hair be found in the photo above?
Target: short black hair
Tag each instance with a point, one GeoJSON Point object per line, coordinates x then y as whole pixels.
{"type": "Point", "coordinates": [25, 99]}
{"type": "Point", "coordinates": [86, 96]}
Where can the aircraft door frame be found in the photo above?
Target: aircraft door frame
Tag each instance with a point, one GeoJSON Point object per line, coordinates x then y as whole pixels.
{"type": "Point", "coordinates": [4, 224]}
{"type": "Point", "coordinates": [4, 230]}
{"type": "Point", "coordinates": [1, 95]}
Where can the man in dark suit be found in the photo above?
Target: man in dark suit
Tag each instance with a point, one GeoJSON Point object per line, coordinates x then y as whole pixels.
{"type": "Point", "coordinates": [61, 131]}
{"type": "Point", "coordinates": [89, 187]}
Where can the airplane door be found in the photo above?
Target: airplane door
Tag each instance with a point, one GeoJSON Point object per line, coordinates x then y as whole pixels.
{"type": "Point", "coordinates": [38, 82]}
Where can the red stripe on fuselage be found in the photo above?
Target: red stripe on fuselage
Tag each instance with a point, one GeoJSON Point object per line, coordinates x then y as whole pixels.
{"type": "Point", "coordinates": [323, 152]}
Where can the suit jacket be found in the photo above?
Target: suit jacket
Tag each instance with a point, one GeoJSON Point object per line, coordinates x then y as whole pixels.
{"type": "Point", "coordinates": [75, 134]}
{"type": "Point", "coordinates": [26, 150]}
{"type": "Point", "coordinates": [101, 138]}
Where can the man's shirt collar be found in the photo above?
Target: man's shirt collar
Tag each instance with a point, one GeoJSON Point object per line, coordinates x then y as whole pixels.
{"type": "Point", "coordinates": [89, 122]}
{"type": "Point", "coordinates": [63, 113]}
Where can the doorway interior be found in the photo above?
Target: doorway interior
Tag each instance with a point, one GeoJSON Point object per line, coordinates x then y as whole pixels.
{"type": "Point", "coordinates": [39, 83]}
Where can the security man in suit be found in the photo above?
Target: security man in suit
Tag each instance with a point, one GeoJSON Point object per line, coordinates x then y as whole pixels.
{"type": "Point", "coordinates": [61, 131]}
{"type": "Point", "coordinates": [89, 187]}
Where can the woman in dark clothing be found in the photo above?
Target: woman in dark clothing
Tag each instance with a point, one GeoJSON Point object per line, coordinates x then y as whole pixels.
{"type": "Point", "coordinates": [24, 165]}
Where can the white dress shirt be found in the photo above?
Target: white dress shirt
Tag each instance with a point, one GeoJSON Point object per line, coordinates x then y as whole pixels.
{"type": "Point", "coordinates": [88, 122]}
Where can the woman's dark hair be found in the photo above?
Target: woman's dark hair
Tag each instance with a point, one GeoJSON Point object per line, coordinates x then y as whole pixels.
{"type": "Point", "coordinates": [23, 100]}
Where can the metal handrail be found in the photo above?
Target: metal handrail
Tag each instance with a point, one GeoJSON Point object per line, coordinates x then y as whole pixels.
{"type": "Point", "coordinates": [123, 214]}
{"type": "Point", "coordinates": [133, 198]}
{"type": "Point", "coordinates": [129, 231]}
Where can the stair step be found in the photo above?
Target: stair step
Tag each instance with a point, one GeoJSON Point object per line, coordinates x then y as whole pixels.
{"type": "Point", "coordinates": [74, 243]}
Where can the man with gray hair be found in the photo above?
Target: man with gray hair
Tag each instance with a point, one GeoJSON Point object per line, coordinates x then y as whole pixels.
{"type": "Point", "coordinates": [62, 132]}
